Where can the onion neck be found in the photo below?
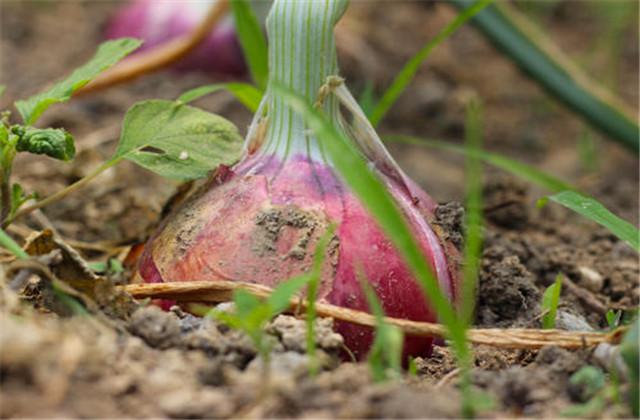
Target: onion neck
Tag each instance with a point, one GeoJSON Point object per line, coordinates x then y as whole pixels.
{"type": "Point", "coordinates": [302, 54]}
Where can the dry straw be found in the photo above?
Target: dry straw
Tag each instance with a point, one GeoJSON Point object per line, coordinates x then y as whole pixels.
{"type": "Point", "coordinates": [511, 338]}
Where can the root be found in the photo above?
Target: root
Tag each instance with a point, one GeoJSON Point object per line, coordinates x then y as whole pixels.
{"type": "Point", "coordinates": [511, 338]}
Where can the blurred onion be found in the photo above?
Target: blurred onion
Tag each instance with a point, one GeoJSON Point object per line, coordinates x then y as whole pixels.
{"type": "Point", "coordinates": [158, 21]}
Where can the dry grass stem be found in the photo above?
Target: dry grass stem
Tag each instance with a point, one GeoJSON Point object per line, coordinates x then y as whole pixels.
{"type": "Point", "coordinates": [513, 338]}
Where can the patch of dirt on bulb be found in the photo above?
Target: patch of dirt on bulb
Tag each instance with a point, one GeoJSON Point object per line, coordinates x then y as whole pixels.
{"type": "Point", "coordinates": [275, 222]}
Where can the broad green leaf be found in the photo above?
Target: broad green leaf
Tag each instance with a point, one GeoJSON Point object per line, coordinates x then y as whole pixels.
{"type": "Point", "coordinates": [595, 211]}
{"type": "Point", "coordinates": [177, 141]}
{"type": "Point", "coordinates": [519, 169]}
{"type": "Point", "coordinates": [252, 40]}
{"type": "Point", "coordinates": [53, 142]}
{"type": "Point", "coordinates": [550, 300]}
{"type": "Point", "coordinates": [247, 94]}
{"type": "Point", "coordinates": [108, 54]}
{"type": "Point", "coordinates": [2, 89]}
{"type": "Point", "coordinates": [405, 76]}
{"type": "Point", "coordinates": [377, 199]}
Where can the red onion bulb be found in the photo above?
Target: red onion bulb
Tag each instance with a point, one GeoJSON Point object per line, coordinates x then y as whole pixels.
{"type": "Point", "coordinates": [261, 220]}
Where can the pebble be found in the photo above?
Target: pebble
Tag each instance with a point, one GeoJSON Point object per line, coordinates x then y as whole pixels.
{"type": "Point", "coordinates": [591, 279]}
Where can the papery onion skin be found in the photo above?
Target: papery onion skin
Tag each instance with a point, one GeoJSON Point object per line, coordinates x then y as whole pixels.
{"type": "Point", "coordinates": [157, 22]}
{"type": "Point", "coordinates": [260, 223]}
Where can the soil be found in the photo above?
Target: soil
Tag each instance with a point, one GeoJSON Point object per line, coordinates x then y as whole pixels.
{"type": "Point", "coordinates": [131, 359]}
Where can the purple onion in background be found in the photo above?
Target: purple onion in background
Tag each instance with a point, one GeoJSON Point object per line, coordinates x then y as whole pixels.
{"type": "Point", "coordinates": [158, 21]}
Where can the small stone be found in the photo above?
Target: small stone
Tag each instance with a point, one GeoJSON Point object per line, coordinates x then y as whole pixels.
{"type": "Point", "coordinates": [570, 322]}
{"type": "Point", "coordinates": [183, 155]}
{"type": "Point", "coordinates": [591, 279]}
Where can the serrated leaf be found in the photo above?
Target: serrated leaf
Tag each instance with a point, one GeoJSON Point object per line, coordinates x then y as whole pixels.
{"type": "Point", "coordinates": [177, 141]}
{"type": "Point", "coordinates": [53, 142]}
{"type": "Point", "coordinates": [595, 211]}
{"type": "Point", "coordinates": [247, 94]}
{"type": "Point", "coordinates": [108, 54]}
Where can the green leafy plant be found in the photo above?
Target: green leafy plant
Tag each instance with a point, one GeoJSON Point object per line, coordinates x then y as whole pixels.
{"type": "Point", "coordinates": [170, 138]}
{"type": "Point", "coordinates": [550, 300]}
{"type": "Point", "coordinates": [56, 143]}
{"type": "Point", "coordinates": [251, 313]}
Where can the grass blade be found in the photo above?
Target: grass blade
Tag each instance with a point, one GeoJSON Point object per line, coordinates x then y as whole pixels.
{"type": "Point", "coordinates": [378, 201]}
{"type": "Point", "coordinates": [247, 94]}
{"type": "Point", "coordinates": [405, 76]}
{"type": "Point", "coordinates": [519, 169]}
{"type": "Point", "coordinates": [565, 194]}
{"type": "Point", "coordinates": [473, 218]}
{"type": "Point", "coordinates": [385, 356]}
{"type": "Point", "coordinates": [9, 244]}
{"type": "Point", "coordinates": [550, 300]}
{"type": "Point", "coordinates": [312, 293]}
{"type": "Point", "coordinates": [252, 40]}
{"type": "Point", "coordinates": [551, 69]}
{"type": "Point", "coordinates": [593, 210]}
{"type": "Point", "coordinates": [280, 297]}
